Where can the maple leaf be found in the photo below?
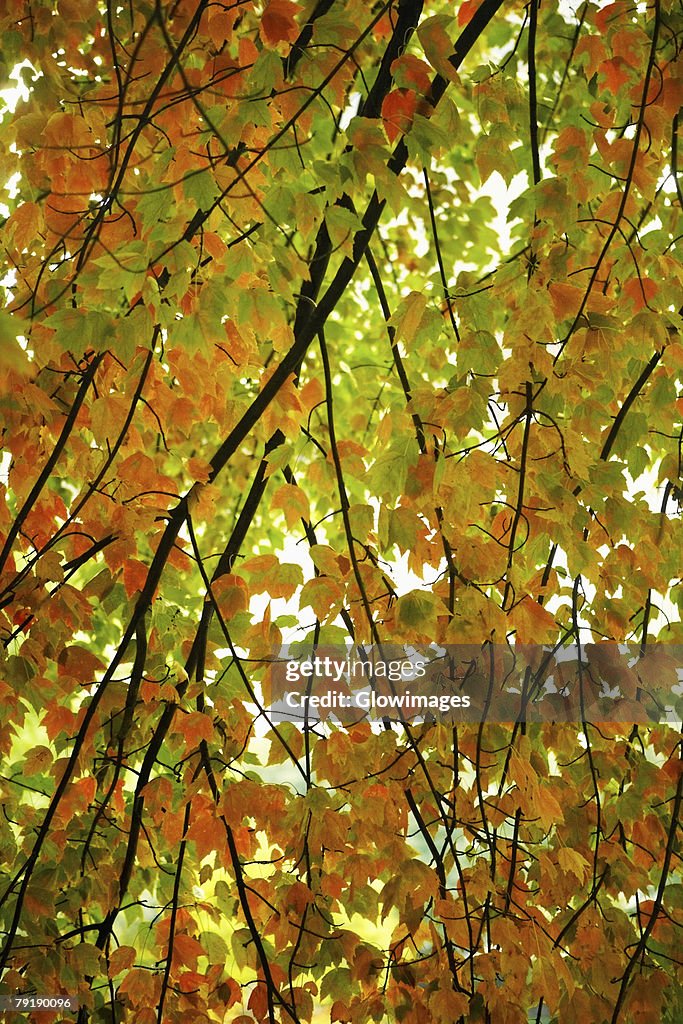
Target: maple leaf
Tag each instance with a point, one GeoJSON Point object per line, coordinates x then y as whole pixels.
{"type": "Point", "coordinates": [231, 593]}
{"type": "Point", "coordinates": [121, 959]}
{"type": "Point", "coordinates": [397, 111]}
{"type": "Point", "coordinates": [278, 22]}
{"type": "Point", "coordinates": [340, 1011]}
{"type": "Point", "coordinates": [293, 502]}
{"type": "Point", "coordinates": [641, 292]}
{"type": "Point", "coordinates": [571, 860]}
{"type": "Point", "coordinates": [186, 950]}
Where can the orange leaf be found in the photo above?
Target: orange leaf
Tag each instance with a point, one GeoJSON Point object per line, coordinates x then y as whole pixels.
{"type": "Point", "coordinates": [190, 981]}
{"type": "Point", "coordinates": [397, 112]}
{"type": "Point", "coordinates": [466, 11]}
{"type": "Point", "coordinates": [186, 951]}
{"type": "Point", "coordinates": [79, 663]}
{"type": "Point", "coordinates": [293, 502]}
{"type": "Point", "coordinates": [121, 959]}
{"type": "Point", "coordinates": [607, 15]}
{"type": "Point", "coordinates": [278, 23]}
{"type": "Point", "coordinates": [311, 394]}
{"type": "Point", "coordinates": [447, 1005]}
{"type": "Point", "coordinates": [134, 576]}
{"type": "Point", "coordinates": [207, 831]}
{"type": "Point", "coordinates": [340, 1011]}
{"type": "Point", "coordinates": [437, 44]}
{"type": "Point", "coordinates": [547, 807]}
{"type": "Point", "coordinates": [616, 74]}
{"type": "Point", "coordinates": [195, 727]}
{"type": "Point", "coordinates": [532, 621]}
{"type": "Point", "coordinates": [566, 300]}
{"type": "Point", "coordinates": [640, 291]}
{"type": "Point", "coordinates": [231, 594]}
{"type": "Point", "coordinates": [139, 986]}
{"type": "Point", "coordinates": [59, 719]}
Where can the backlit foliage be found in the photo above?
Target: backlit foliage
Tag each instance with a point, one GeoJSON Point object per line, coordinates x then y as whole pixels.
{"type": "Point", "coordinates": [341, 320]}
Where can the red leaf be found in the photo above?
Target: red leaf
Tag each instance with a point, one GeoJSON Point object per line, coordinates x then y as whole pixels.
{"type": "Point", "coordinates": [397, 112]}
{"type": "Point", "coordinates": [191, 981]}
{"type": "Point", "coordinates": [134, 576]}
{"type": "Point", "coordinates": [258, 1001]}
{"type": "Point", "coordinates": [411, 72]}
{"type": "Point", "coordinates": [466, 11]}
{"type": "Point", "coordinates": [606, 15]}
{"type": "Point", "coordinates": [59, 719]}
{"type": "Point", "coordinates": [616, 74]}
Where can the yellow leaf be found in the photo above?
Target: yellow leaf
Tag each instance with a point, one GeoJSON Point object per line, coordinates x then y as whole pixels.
{"type": "Point", "coordinates": [547, 808]}
{"type": "Point", "coordinates": [545, 982]}
{"type": "Point", "coordinates": [572, 861]}
{"type": "Point", "coordinates": [12, 356]}
{"type": "Point", "coordinates": [323, 595]}
{"type": "Point", "coordinates": [446, 1005]}
{"type": "Point", "coordinates": [408, 316]}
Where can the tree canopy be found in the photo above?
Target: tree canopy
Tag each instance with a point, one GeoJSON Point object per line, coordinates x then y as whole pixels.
{"type": "Point", "coordinates": [344, 323]}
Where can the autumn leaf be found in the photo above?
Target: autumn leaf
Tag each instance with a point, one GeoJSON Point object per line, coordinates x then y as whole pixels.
{"type": "Point", "coordinates": [572, 861]}
{"type": "Point", "coordinates": [323, 595]}
{"type": "Point", "coordinates": [138, 986]}
{"type": "Point", "coordinates": [436, 41]}
{"type": "Point", "coordinates": [547, 807]}
{"type": "Point", "coordinates": [466, 11]}
{"type": "Point", "coordinates": [641, 291]}
{"type": "Point", "coordinates": [340, 1011]}
{"type": "Point", "coordinates": [121, 960]}
{"type": "Point", "coordinates": [258, 1002]}
{"type": "Point", "coordinates": [37, 760]}
{"type": "Point", "coordinates": [278, 22]}
{"type": "Point", "coordinates": [186, 950]}
{"type": "Point", "coordinates": [231, 594]}
{"type": "Point", "coordinates": [12, 357]}
{"type": "Point", "coordinates": [195, 727]}
{"type": "Point", "coordinates": [567, 299]}
{"type": "Point", "coordinates": [448, 1005]}
{"type": "Point", "coordinates": [409, 316]}
{"type": "Point", "coordinates": [293, 502]}
{"type": "Point", "coordinates": [397, 112]}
